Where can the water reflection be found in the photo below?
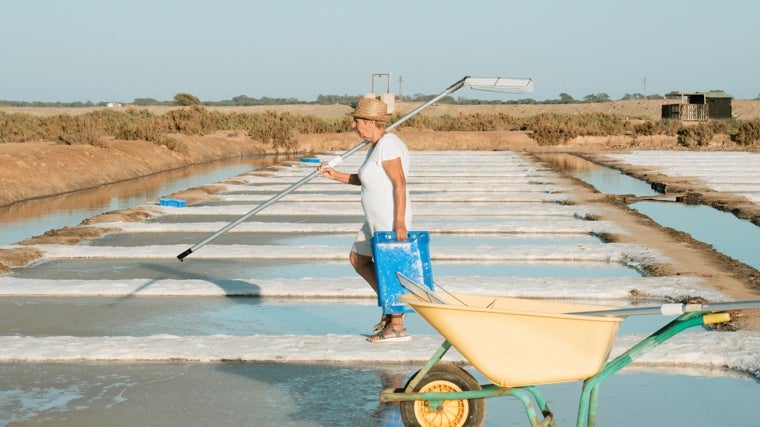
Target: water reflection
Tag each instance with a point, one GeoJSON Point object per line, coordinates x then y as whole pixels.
{"type": "Point", "coordinates": [726, 233]}
{"type": "Point", "coordinates": [389, 413]}
{"type": "Point", "coordinates": [33, 217]}
{"type": "Point", "coordinates": [606, 180]}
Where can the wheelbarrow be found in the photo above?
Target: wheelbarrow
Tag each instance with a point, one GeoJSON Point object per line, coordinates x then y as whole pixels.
{"type": "Point", "coordinates": [518, 344]}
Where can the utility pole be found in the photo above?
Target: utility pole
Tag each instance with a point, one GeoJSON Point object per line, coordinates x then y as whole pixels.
{"type": "Point", "coordinates": [400, 85]}
{"type": "Point", "coordinates": [645, 88]}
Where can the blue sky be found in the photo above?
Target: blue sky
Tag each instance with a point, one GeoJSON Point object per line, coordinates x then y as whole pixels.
{"type": "Point", "coordinates": [98, 50]}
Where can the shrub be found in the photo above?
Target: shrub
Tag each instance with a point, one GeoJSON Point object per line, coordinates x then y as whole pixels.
{"type": "Point", "coordinates": [106, 120]}
{"type": "Point", "coordinates": [646, 129]}
{"type": "Point", "coordinates": [83, 138]}
{"type": "Point", "coordinates": [747, 132]}
{"type": "Point", "coordinates": [720, 126]}
{"type": "Point", "coordinates": [87, 129]}
{"type": "Point", "coordinates": [19, 127]}
{"type": "Point", "coordinates": [466, 122]}
{"type": "Point", "coordinates": [273, 128]}
{"type": "Point", "coordinates": [235, 121]}
{"type": "Point", "coordinates": [148, 130]}
{"type": "Point", "coordinates": [669, 127]}
{"type": "Point", "coordinates": [552, 129]}
{"type": "Point", "coordinates": [420, 121]}
{"type": "Point", "coordinates": [311, 124]}
{"type": "Point", "coordinates": [699, 135]}
{"type": "Point", "coordinates": [186, 99]}
{"type": "Point", "coordinates": [279, 128]}
{"type": "Point", "coordinates": [56, 126]}
{"type": "Point", "coordinates": [194, 120]}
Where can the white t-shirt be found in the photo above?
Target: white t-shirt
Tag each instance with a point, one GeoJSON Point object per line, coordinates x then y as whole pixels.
{"type": "Point", "coordinates": [377, 188]}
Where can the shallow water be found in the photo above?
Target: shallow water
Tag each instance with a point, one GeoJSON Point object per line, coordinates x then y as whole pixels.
{"type": "Point", "coordinates": [90, 394]}
{"type": "Point", "coordinates": [220, 270]}
{"type": "Point", "coordinates": [725, 232]}
{"type": "Point", "coordinates": [611, 181]}
{"type": "Point", "coordinates": [728, 234]}
{"type": "Point", "coordinates": [183, 316]}
{"type": "Point", "coordinates": [30, 218]}
{"type": "Point", "coordinates": [188, 316]}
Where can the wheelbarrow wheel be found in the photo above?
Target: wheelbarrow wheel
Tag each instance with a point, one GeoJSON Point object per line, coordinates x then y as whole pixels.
{"type": "Point", "coordinates": [444, 378]}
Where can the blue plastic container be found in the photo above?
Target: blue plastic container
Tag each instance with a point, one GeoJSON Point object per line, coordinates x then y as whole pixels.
{"type": "Point", "coordinates": [310, 160]}
{"type": "Point", "coordinates": [410, 258]}
{"type": "Point", "coordinates": [177, 203]}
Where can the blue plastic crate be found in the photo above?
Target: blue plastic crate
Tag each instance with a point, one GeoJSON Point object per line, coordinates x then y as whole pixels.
{"type": "Point", "coordinates": [410, 258]}
{"type": "Point", "coordinates": [177, 203]}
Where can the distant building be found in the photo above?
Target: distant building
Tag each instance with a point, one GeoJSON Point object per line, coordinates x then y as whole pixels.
{"type": "Point", "coordinates": [702, 106]}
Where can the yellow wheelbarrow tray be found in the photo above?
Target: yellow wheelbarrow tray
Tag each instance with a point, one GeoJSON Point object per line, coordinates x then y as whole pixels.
{"type": "Point", "coordinates": [541, 343]}
{"type": "Point", "coordinates": [518, 344]}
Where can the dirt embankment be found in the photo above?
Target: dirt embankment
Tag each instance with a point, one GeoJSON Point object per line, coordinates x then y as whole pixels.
{"type": "Point", "coordinates": [33, 170]}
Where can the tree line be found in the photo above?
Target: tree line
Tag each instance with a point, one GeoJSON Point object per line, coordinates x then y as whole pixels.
{"type": "Point", "coordinates": [187, 99]}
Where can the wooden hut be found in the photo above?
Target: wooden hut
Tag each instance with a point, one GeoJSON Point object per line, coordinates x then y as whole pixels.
{"type": "Point", "coordinates": [718, 105]}
{"type": "Point", "coordinates": [702, 106]}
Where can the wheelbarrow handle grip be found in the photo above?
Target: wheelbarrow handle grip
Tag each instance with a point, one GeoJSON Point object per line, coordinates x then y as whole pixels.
{"type": "Point", "coordinates": [713, 318]}
{"type": "Point", "coordinates": [675, 309]}
{"type": "Point", "coordinates": [678, 309]}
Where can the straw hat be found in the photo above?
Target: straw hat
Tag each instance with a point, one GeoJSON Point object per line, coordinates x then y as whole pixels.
{"type": "Point", "coordinates": [371, 109]}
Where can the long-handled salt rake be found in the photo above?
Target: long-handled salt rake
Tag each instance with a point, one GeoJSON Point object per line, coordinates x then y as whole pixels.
{"type": "Point", "coordinates": [496, 84]}
{"type": "Point", "coordinates": [671, 309]}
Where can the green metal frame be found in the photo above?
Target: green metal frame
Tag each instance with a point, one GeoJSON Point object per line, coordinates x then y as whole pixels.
{"type": "Point", "coordinates": [523, 394]}
{"type": "Point", "coordinates": [587, 411]}
{"type": "Point", "coordinates": [589, 394]}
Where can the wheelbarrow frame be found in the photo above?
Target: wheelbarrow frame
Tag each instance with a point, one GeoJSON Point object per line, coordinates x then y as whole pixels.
{"type": "Point", "coordinates": [587, 410]}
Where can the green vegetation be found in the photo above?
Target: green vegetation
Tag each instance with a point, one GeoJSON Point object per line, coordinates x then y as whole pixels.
{"type": "Point", "coordinates": [186, 99]}
{"type": "Point", "coordinates": [747, 132]}
{"type": "Point", "coordinates": [279, 129]}
{"type": "Point", "coordinates": [140, 124]}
